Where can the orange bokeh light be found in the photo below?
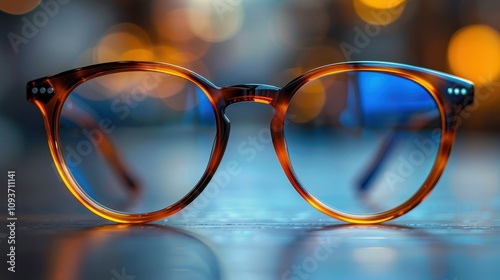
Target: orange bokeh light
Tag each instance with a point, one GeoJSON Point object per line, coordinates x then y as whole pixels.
{"type": "Point", "coordinates": [172, 25]}
{"type": "Point", "coordinates": [383, 4]}
{"type": "Point", "coordinates": [308, 102]}
{"type": "Point", "coordinates": [125, 41]}
{"type": "Point", "coordinates": [474, 53]}
{"type": "Point", "coordinates": [18, 7]}
{"type": "Point", "coordinates": [379, 12]}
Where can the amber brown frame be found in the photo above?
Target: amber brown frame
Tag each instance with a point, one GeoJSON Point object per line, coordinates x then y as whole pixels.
{"type": "Point", "coordinates": [56, 89]}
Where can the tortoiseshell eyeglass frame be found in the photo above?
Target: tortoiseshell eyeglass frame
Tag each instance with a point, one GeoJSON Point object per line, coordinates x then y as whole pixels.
{"type": "Point", "coordinates": [450, 93]}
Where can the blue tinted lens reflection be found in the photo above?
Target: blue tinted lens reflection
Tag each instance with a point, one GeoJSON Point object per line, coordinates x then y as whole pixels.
{"type": "Point", "coordinates": [383, 99]}
{"type": "Point", "coordinates": [137, 142]}
{"type": "Point", "coordinates": [362, 142]}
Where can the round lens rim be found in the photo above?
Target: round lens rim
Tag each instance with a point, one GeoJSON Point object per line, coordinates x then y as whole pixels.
{"type": "Point", "coordinates": [447, 137]}
{"type": "Point", "coordinates": [65, 82]}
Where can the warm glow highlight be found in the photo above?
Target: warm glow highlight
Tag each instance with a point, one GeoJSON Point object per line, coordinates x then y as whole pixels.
{"type": "Point", "coordinates": [474, 53]}
{"type": "Point", "coordinates": [125, 41]}
{"type": "Point", "coordinates": [383, 4]}
{"type": "Point", "coordinates": [379, 12]}
{"type": "Point", "coordinates": [308, 102]}
{"type": "Point", "coordinates": [111, 86]}
{"type": "Point", "coordinates": [174, 30]}
{"type": "Point", "coordinates": [213, 26]}
{"type": "Point", "coordinates": [172, 25]}
{"type": "Point", "coordinates": [18, 7]}
{"type": "Point", "coordinates": [169, 86]}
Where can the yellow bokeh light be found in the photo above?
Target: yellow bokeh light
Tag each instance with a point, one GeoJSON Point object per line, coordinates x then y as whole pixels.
{"type": "Point", "coordinates": [122, 41]}
{"type": "Point", "coordinates": [474, 53]}
{"type": "Point", "coordinates": [379, 12]}
{"type": "Point", "coordinates": [18, 7]}
{"type": "Point", "coordinates": [383, 4]}
{"type": "Point", "coordinates": [308, 102]}
{"type": "Point", "coordinates": [168, 54]}
{"type": "Point", "coordinates": [138, 54]}
{"type": "Point", "coordinates": [183, 51]}
{"type": "Point", "coordinates": [113, 46]}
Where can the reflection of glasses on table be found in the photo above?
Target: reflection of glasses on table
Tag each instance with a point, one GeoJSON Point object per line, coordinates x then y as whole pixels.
{"type": "Point", "coordinates": [363, 142]}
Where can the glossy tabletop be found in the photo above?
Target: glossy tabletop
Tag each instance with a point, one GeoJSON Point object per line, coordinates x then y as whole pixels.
{"type": "Point", "coordinates": [255, 226]}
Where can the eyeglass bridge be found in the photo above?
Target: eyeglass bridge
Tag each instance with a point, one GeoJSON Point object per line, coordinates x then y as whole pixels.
{"type": "Point", "coordinates": [250, 92]}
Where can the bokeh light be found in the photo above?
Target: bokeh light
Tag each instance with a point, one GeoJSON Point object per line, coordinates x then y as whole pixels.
{"type": "Point", "coordinates": [172, 25]}
{"type": "Point", "coordinates": [308, 102]}
{"type": "Point", "coordinates": [179, 53]}
{"type": "Point", "coordinates": [174, 31]}
{"type": "Point", "coordinates": [214, 25]}
{"type": "Point", "coordinates": [18, 7]}
{"type": "Point", "coordinates": [125, 41]}
{"type": "Point", "coordinates": [474, 53]}
{"type": "Point", "coordinates": [170, 87]}
{"type": "Point", "coordinates": [172, 55]}
{"type": "Point", "coordinates": [122, 42]}
{"type": "Point", "coordinates": [379, 12]}
{"type": "Point", "coordinates": [383, 4]}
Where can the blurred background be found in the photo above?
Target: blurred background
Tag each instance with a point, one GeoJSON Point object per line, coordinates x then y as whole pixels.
{"type": "Point", "coordinates": [236, 41]}
{"type": "Point", "coordinates": [272, 42]}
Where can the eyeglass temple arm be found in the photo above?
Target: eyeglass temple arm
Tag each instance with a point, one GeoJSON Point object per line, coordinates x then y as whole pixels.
{"type": "Point", "coordinates": [86, 120]}
{"type": "Point", "coordinates": [373, 170]}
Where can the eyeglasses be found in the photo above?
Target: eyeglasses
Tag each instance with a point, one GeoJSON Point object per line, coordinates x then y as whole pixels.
{"type": "Point", "coordinates": [363, 142]}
